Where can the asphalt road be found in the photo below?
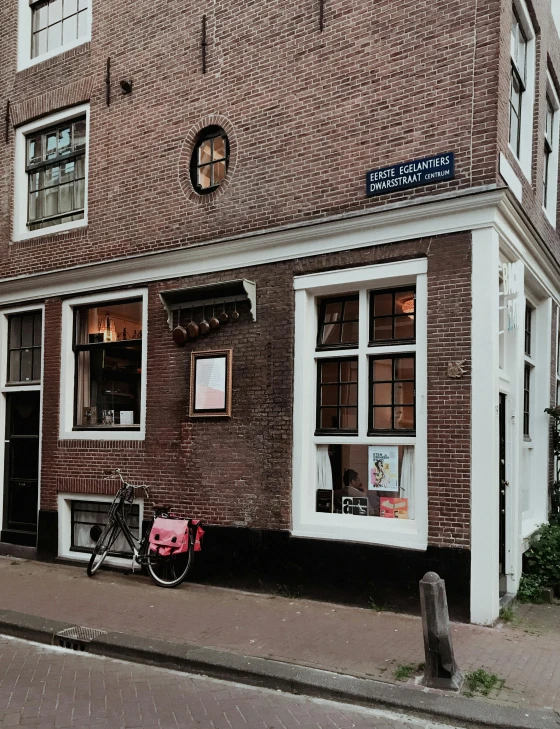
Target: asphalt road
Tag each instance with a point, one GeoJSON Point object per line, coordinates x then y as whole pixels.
{"type": "Point", "coordinates": [43, 686]}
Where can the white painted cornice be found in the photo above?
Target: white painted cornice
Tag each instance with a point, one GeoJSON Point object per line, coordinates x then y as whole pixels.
{"type": "Point", "coordinates": [424, 217]}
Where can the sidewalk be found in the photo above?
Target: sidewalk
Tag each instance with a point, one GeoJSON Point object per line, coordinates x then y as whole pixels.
{"type": "Point", "coordinates": [344, 640]}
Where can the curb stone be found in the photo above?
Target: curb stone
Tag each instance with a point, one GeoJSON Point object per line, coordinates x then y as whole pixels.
{"type": "Point", "coordinates": [289, 677]}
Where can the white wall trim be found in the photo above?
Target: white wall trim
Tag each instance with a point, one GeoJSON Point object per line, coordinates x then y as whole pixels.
{"type": "Point", "coordinates": [67, 370]}
{"type": "Point", "coordinates": [24, 38]}
{"type": "Point", "coordinates": [64, 504]}
{"type": "Point", "coordinates": [306, 522]}
{"type": "Point", "coordinates": [20, 229]}
{"type": "Point", "coordinates": [511, 179]}
{"type": "Point", "coordinates": [484, 425]}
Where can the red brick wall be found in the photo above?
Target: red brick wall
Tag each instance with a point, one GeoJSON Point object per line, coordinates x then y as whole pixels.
{"type": "Point", "coordinates": [312, 112]}
{"type": "Point", "coordinates": [238, 471]}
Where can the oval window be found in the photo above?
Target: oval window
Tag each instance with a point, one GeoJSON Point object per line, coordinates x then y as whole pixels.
{"type": "Point", "coordinates": [209, 160]}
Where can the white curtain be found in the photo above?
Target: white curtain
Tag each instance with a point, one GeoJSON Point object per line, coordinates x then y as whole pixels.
{"type": "Point", "coordinates": [324, 470]}
{"type": "Point", "coordinates": [407, 471]}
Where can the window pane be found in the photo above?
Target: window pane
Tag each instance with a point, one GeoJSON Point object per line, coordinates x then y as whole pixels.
{"type": "Point", "coordinates": [404, 393]}
{"type": "Point", "coordinates": [349, 370]}
{"type": "Point", "coordinates": [55, 11]}
{"type": "Point", "coordinates": [404, 368]}
{"type": "Point", "coordinates": [349, 418]}
{"type": "Point", "coordinates": [67, 171]}
{"type": "Point", "coordinates": [219, 148]}
{"type": "Point", "coordinates": [82, 24]}
{"type": "Point", "coordinates": [350, 333]}
{"type": "Point", "coordinates": [349, 395]}
{"type": "Point", "coordinates": [51, 145]}
{"type": "Point", "coordinates": [219, 172]}
{"type": "Point", "coordinates": [36, 364]}
{"type": "Point", "coordinates": [64, 140]}
{"type": "Point", "coordinates": [329, 371]}
{"type": "Point", "coordinates": [331, 334]}
{"type": "Point", "coordinates": [382, 329]}
{"type": "Point", "coordinates": [27, 330]}
{"type": "Point", "coordinates": [55, 36]}
{"type": "Point", "coordinates": [26, 365]}
{"type": "Point", "coordinates": [404, 327]}
{"type": "Point", "coordinates": [383, 370]}
{"type": "Point", "coordinates": [329, 395]}
{"type": "Point", "coordinates": [382, 304]}
{"type": "Point", "coordinates": [79, 187]}
{"type": "Point", "coordinates": [14, 366]}
{"type": "Point", "coordinates": [383, 394]}
{"type": "Point", "coordinates": [204, 179]}
{"type": "Point", "coordinates": [205, 152]}
{"type": "Point", "coordinates": [50, 201]}
{"type": "Point", "coordinates": [80, 134]}
{"type": "Point", "coordinates": [65, 197]}
{"type": "Point", "coordinates": [34, 149]}
{"type": "Point", "coordinates": [83, 4]}
{"type": "Point", "coordinates": [70, 29]}
{"type": "Point", "coordinates": [513, 131]}
{"type": "Point", "coordinates": [51, 176]}
{"type": "Point", "coordinates": [404, 302]}
{"type": "Point", "coordinates": [333, 311]}
{"type": "Point", "coordinates": [40, 17]}
{"type": "Point", "coordinates": [70, 7]}
{"type": "Point", "coordinates": [404, 418]}
{"type": "Point", "coordinates": [15, 332]}
{"type": "Point", "coordinates": [34, 211]}
{"type": "Point", "coordinates": [37, 330]}
{"type": "Point", "coordinates": [35, 181]}
{"type": "Point", "coordinates": [351, 309]}
{"type": "Point", "coordinates": [382, 418]}
{"type": "Point", "coordinates": [39, 43]}
{"type": "Point", "coordinates": [329, 418]}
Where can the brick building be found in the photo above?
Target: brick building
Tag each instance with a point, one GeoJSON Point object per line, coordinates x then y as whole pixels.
{"type": "Point", "coordinates": [379, 345]}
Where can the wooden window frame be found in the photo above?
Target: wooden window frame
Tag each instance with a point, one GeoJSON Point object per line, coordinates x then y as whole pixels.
{"type": "Point", "coordinates": [393, 356]}
{"type": "Point", "coordinates": [338, 431]}
{"type": "Point", "coordinates": [393, 316]}
{"type": "Point", "coordinates": [323, 303]}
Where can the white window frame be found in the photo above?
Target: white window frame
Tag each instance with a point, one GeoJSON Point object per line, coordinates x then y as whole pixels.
{"type": "Point", "coordinates": [64, 504]}
{"type": "Point", "coordinates": [528, 97]}
{"type": "Point", "coordinates": [306, 521]}
{"type": "Point", "coordinates": [552, 181]}
{"type": "Point", "coordinates": [20, 229]}
{"type": "Point", "coordinates": [25, 15]}
{"type": "Point", "coordinates": [68, 363]}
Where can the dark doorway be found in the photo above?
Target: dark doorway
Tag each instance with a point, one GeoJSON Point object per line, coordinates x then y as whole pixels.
{"type": "Point", "coordinates": [503, 486]}
{"type": "Point", "coordinates": [21, 477]}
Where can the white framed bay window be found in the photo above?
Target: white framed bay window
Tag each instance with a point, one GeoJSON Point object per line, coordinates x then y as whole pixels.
{"type": "Point", "coordinates": [360, 433]}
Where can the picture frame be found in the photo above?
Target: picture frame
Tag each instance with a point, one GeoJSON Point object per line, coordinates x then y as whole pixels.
{"type": "Point", "coordinates": [210, 384]}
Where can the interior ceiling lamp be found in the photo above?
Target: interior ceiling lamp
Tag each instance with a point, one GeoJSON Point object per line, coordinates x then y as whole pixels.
{"type": "Point", "coordinates": [408, 307]}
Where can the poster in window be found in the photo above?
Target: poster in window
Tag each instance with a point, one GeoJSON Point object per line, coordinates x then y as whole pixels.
{"type": "Point", "coordinates": [324, 501]}
{"type": "Point", "coordinates": [383, 468]}
{"type": "Point", "coordinates": [210, 386]}
{"type": "Point", "coordinates": [356, 505]}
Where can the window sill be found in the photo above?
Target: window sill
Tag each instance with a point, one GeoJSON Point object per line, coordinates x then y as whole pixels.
{"type": "Point", "coordinates": [103, 434]}
{"type": "Point", "coordinates": [350, 528]}
{"type": "Point", "coordinates": [520, 165]}
{"type": "Point", "coordinates": [30, 62]}
{"type": "Point", "coordinates": [106, 428]}
{"type": "Point", "coordinates": [53, 230]}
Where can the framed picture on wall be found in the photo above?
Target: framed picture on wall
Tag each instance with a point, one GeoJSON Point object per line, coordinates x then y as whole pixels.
{"type": "Point", "coordinates": [210, 386]}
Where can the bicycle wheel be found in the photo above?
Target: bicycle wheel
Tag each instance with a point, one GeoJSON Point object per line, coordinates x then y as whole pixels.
{"type": "Point", "coordinates": [104, 544]}
{"type": "Point", "coordinates": [170, 571]}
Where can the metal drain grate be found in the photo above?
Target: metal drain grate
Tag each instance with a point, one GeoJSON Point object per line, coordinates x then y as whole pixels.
{"type": "Point", "coordinates": [77, 638]}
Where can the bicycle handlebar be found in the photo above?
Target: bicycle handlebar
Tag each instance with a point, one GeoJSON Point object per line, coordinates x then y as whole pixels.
{"type": "Point", "coordinates": [108, 475]}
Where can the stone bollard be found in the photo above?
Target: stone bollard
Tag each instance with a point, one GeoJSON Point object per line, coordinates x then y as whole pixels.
{"type": "Point", "coordinates": [441, 670]}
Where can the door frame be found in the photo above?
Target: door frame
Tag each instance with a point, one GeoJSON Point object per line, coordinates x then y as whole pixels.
{"type": "Point", "coordinates": [5, 389]}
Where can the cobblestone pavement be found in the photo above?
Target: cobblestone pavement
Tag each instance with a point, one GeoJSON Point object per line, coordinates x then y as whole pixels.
{"type": "Point", "coordinates": [349, 640]}
{"type": "Point", "coordinates": [43, 687]}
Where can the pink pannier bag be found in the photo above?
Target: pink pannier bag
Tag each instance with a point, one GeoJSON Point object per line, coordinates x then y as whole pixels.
{"type": "Point", "coordinates": [169, 536]}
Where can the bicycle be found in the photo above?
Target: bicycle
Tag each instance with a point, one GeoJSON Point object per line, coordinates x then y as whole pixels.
{"type": "Point", "coordinates": [165, 570]}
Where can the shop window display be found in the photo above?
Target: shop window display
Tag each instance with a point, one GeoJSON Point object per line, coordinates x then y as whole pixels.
{"type": "Point", "coordinates": [371, 475]}
{"type": "Point", "coordinates": [108, 355]}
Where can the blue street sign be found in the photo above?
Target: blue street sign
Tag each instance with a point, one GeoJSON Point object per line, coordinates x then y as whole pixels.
{"type": "Point", "coordinates": [425, 171]}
